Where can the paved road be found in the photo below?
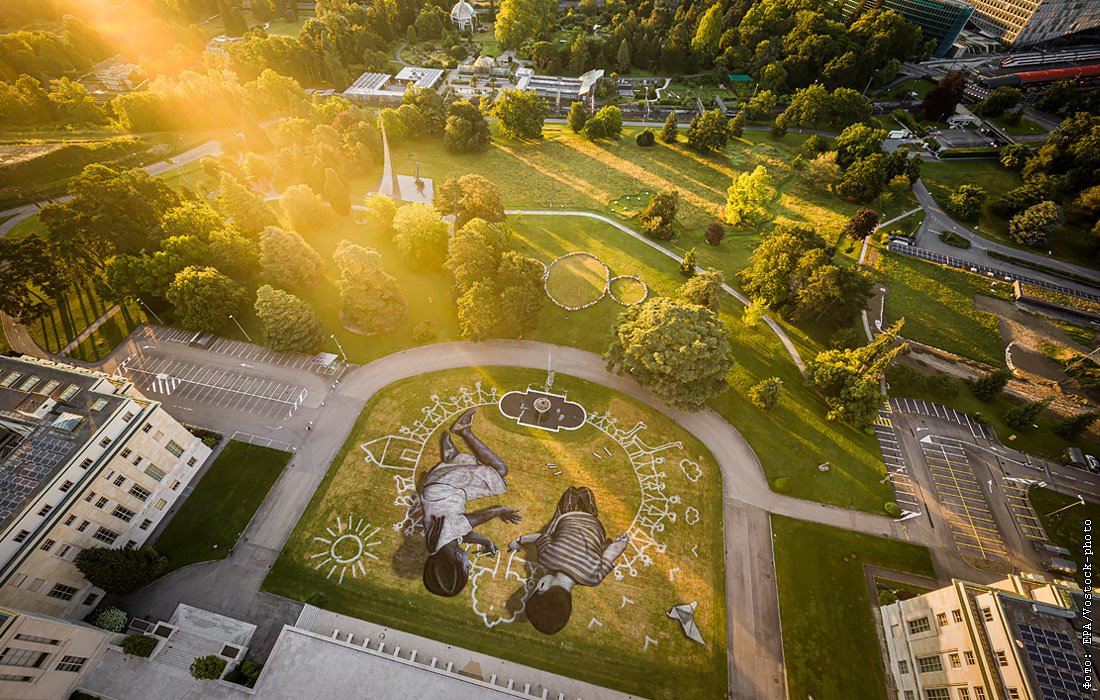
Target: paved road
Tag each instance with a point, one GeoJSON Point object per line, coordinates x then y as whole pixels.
{"type": "Point", "coordinates": [937, 220]}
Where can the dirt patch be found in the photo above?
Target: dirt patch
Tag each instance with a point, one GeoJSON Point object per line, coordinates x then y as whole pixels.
{"type": "Point", "coordinates": [11, 154]}
{"type": "Point", "coordinates": [1025, 330]}
{"type": "Point", "coordinates": [928, 361]}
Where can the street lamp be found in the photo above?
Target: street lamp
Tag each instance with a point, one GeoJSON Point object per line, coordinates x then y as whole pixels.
{"type": "Point", "coordinates": [142, 303]}
{"type": "Point", "coordinates": [345, 355]}
{"type": "Point", "coordinates": [241, 327]}
{"type": "Point", "coordinates": [1079, 502]}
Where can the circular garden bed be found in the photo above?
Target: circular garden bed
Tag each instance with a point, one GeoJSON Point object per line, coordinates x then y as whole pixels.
{"type": "Point", "coordinates": [577, 280]}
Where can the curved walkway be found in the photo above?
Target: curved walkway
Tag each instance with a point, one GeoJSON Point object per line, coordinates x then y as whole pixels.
{"type": "Point", "coordinates": [783, 337]}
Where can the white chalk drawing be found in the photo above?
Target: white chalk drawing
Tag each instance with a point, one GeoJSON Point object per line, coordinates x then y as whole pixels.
{"type": "Point", "coordinates": [595, 622]}
{"type": "Point", "coordinates": [648, 641]}
{"type": "Point", "coordinates": [491, 610]}
{"type": "Point", "coordinates": [691, 515]}
{"type": "Point", "coordinates": [691, 470]}
{"type": "Point", "coordinates": [626, 601]}
{"type": "Point", "coordinates": [672, 573]}
{"type": "Point", "coordinates": [347, 548]}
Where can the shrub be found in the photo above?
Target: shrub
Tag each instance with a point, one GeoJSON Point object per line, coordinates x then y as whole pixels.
{"type": "Point", "coordinates": [781, 484]}
{"type": "Point", "coordinates": [886, 597]}
{"type": "Point", "coordinates": [892, 509]}
{"type": "Point", "coordinates": [423, 332]}
{"type": "Point", "coordinates": [139, 645]}
{"type": "Point", "coordinates": [646, 138]}
{"type": "Point", "coordinates": [208, 668]}
{"type": "Point", "coordinates": [715, 232]}
{"type": "Point", "coordinates": [112, 619]}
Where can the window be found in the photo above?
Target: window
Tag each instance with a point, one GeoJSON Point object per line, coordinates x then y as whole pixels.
{"type": "Point", "coordinates": [909, 695]}
{"type": "Point", "coordinates": [10, 379]}
{"type": "Point", "coordinates": [21, 536]}
{"type": "Point", "coordinates": [71, 663]}
{"type": "Point", "coordinates": [120, 480]}
{"type": "Point", "coordinates": [175, 485]}
{"type": "Point", "coordinates": [126, 453]}
{"type": "Point", "coordinates": [957, 616]}
{"type": "Point", "coordinates": [160, 504]}
{"type": "Point", "coordinates": [147, 427]}
{"type": "Point", "coordinates": [70, 520]}
{"type": "Point", "coordinates": [138, 492]}
{"type": "Point", "coordinates": [108, 474]}
{"type": "Point", "coordinates": [953, 658]}
{"type": "Point", "coordinates": [903, 666]}
{"type": "Point", "coordinates": [14, 678]}
{"type": "Point", "coordinates": [969, 656]}
{"type": "Point", "coordinates": [103, 500]}
{"type": "Point", "coordinates": [1002, 658]}
{"type": "Point", "coordinates": [979, 693]}
{"type": "Point", "coordinates": [1013, 694]}
{"type": "Point", "coordinates": [928, 664]}
{"type": "Point", "coordinates": [920, 625]}
{"type": "Point", "coordinates": [941, 619]}
{"type": "Point", "coordinates": [65, 549]}
{"type": "Point", "coordinates": [105, 535]}
{"type": "Point", "coordinates": [964, 693]}
{"type": "Point", "coordinates": [91, 599]}
{"type": "Point", "coordinates": [47, 545]}
{"type": "Point", "coordinates": [123, 514]}
{"type": "Point", "coordinates": [99, 404]}
{"type": "Point", "coordinates": [83, 526]}
{"type": "Point", "coordinates": [145, 524]}
{"type": "Point", "coordinates": [191, 462]}
{"type": "Point", "coordinates": [88, 498]}
{"type": "Point", "coordinates": [937, 694]}
{"type": "Point", "coordinates": [104, 442]}
{"type": "Point", "coordinates": [86, 463]}
{"type": "Point", "coordinates": [45, 509]}
{"type": "Point", "coordinates": [49, 386]}
{"type": "Point", "coordinates": [29, 383]}
{"type": "Point", "coordinates": [987, 614]}
{"type": "Point", "coordinates": [66, 485]}
{"type": "Point", "coordinates": [37, 640]}
{"type": "Point", "coordinates": [62, 592]}
{"type": "Point", "coordinates": [154, 472]}
{"type": "Point", "coordinates": [138, 460]}
{"type": "Point", "coordinates": [128, 416]}
{"type": "Point", "coordinates": [18, 580]}
{"type": "Point", "coordinates": [174, 448]}
{"type": "Point", "coordinates": [70, 391]}
{"type": "Point", "coordinates": [130, 544]}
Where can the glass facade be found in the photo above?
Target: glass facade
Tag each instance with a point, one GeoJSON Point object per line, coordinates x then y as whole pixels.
{"type": "Point", "coordinates": [941, 20]}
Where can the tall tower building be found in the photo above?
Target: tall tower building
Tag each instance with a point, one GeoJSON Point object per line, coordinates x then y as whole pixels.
{"type": "Point", "coordinates": [1027, 22]}
{"type": "Point", "coordinates": [941, 20]}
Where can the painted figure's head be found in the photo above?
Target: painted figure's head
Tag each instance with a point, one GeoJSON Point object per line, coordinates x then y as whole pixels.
{"type": "Point", "coordinates": [447, 571]}
{"type": "Point", "coordinates": [548, 608]}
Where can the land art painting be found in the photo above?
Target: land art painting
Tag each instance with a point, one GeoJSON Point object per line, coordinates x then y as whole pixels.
{"type": "Point", "coordinates": [542, 519]}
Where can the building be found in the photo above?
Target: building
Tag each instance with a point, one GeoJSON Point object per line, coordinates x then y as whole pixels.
{"type": "Point", "coordinates": [115, 74]}
{"type": "Point", "coordinates": [45, 658]}
{"type": "Point", "coordinates": [559, 90]}
{"type": "Point", "coordinates": [1027, 22]}
{"type": "Point", "coordinates": [464, 16]}
{"type": "Point", "coordinates": [1017, 639]}
{"type": "Point", "coordinates": [84, 461]}
{"type": "Point", "coordinates": [386, 89]}
{"type": "Point", "coordinates": [941, 20]}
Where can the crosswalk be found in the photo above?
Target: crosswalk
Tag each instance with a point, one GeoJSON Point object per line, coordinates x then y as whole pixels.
{"type": "Point", "coordinates": [921, 407]}
{"type": "Point", "coordinates": [163, 384]}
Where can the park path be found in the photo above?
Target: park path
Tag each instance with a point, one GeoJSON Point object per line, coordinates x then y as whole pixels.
{"type": "Point", "coordinates": [84, 334]}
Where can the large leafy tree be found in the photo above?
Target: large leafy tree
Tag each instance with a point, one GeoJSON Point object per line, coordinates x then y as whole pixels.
{"type": "Point", "coordinates": [31, 277]}
{"type": "Point", "coordinates": [659, 214]}
{"type": "Point", "coordinates": [857, 141]}
{"type": "Point", "coordinates": [604, 124]}
{"type": "Point", "coordinates": [709, 31]}
{"type": "Point", "coordinates": [681, 352]}
{"type": "Point", "coordinates": [708, 131]}
{"type": "Point", "coordinates": [287, 260]}
{"type": "Point", "coordinates": [704, 288]}
{"type": "Point", "coordinates": [247, 208]}
{"type": "Point", "coordinates": [420, 235]}
{"type": "Point", "coordinates": [336, 192]}
{"type": "Point", "coordinates": [521, 295]}
{"type": "Point", "coordinates": [120, 571]}
{"type": "Point", "coordinates": [304, 208]}
{"type": "Point", "coordinates": [470, 197]}
{"type": "Point", "coordinates": [748, 196]}
{"type": "Point", "coordinates": [864, 179]}
{"type": "Point", "coordinates": [519, 21]}
{"type": "Point", "coordinates": [521, 114]}
{"type": "Point", "coordinates": [289, 323]}
{"type": "Point", "coordinates": [940, 102]}
{"type": "Point", "coordinates": [474, 253]}
{"type": "Point", "coordinates": [1035, 224]}
{"type": "Point", "coordinates": [466, 130]}
{"type": "Point", "coordinates": [372, 300]}
{"type": "Point", "coordinates": [965, 202]}
{"type": "Point", "coordinates": [379, 213]}
{"type": "Point", "coordinates": [204, 298]}
{"type": "Point", "coordinates": [849, 378]}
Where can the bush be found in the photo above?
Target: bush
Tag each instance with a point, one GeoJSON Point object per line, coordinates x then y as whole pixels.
{"type": "Point", "coordinates": [715, 232]}
{"type": "Point", "coordinates": [886, 597]}
{"type": "Point", "coordinates": [781, 484]}
{"type": "Point", "coordinates": [423, 332]}
{"type": "Point", "coordinates": [645, 139]}
{"type": "Point", "coordinates": [953, 239]}
{"type": "Point", "coordinates": [245, 674]}
{"type": "Point", "coordinates": [208, 668]}
{"type": "Point", "coordinates": [139, 645]}
{"type": "Point", "coordinates": [892, 509]}
{"type": "Point", "coordinates": [112, 619]}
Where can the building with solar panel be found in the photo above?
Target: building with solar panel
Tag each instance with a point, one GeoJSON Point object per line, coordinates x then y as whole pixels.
{"type": "Point", "coordinates": [84, 461]}
{"type": "Point", "coordinates": [1017, 639]}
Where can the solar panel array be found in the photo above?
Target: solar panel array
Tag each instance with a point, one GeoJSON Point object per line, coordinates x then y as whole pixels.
{"type": "Point", "coordinates": [1055, 664]}
{"type": "Point", "coordinates": [34, 460]}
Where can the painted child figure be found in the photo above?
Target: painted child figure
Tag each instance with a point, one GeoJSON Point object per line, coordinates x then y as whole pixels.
{"type": "Point", "coordinates": [448, 486]}
{"type": "Point", "coordinates": [574, 548]}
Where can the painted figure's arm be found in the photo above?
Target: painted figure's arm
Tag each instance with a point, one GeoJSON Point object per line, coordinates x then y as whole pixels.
{"type": "Point", "coordinates": [486, 544]}
{"type": "Point", "coordinates": [479, 517]}
{"type": "Point", "coordinates": [611, 553]}
{"type": "Point", "coordinates": [523, 541]}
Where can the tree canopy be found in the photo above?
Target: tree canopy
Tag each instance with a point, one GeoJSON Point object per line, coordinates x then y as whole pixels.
{"type": "Point", "coordinates": [372, 300]}
{"type": "Point", "coordinates": [287, 260]}
{"type": "Point", "coordinates": [849, 378]}
{"type": "Point", "coordinates": [521, 114]}
{"type": "Point", "coordinates": [421, 235]}
{"type": "Point", "coordinates": [469, 197]}
{"type": "Point", "coordinates": [120, 571]}
{"type": "Point", "coordinates": [204, 298]}
{"type": "Point", "coordinates": [289, 323]}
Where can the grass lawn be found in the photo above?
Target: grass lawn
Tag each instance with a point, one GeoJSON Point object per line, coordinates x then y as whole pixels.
{"type": "Point", "coordinates": [1026, 127]}
{"type": "Point", "coordinates": [577, 280]}
{"type": "Point", "coordinates": [487, 616]}
{"type": "Point", "coordinates": [72, 314]}
{"type": "Point", "coordinates": [1065, 529]}
{"type": "Point", "coordinates": [29, 226]}
{"type": "Point", "coordinates": [209, 522]}
{"type": "Point", "coordinates": [829, 641]}
{"type": "Point", "coordinates": [938, 306]}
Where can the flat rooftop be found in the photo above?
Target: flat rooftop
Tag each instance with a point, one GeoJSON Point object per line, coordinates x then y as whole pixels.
{"type": "Point", "coordinates": [1049, 647]}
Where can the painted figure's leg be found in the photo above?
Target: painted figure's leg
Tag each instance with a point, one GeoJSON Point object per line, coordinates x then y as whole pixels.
{"type": "Point", "coordinates": [447, 449]}
{"type": "Point", "coordinates": [484, 455]}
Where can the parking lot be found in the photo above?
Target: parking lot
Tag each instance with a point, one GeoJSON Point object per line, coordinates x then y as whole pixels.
{"type": "Point", "coordinates": [213, 386]}
{"type": "Point", "coordinates": [964, 504]}
{"type": "Point", "coordinates": [897, 471]}
{"type": "Point", "coordinates": [1016, 495]}
{"type": "Point", "coordinates": [921, 407]}
{"type": "Point", "coordinates": [235, 348]}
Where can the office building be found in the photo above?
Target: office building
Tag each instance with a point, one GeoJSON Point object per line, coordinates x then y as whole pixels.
{"type": "Point", "coordinates": [43, 658]}
{"type": "Point", "coordinates": [940, 20]}
{"type": "Point", "coordinates": [1027, 22]}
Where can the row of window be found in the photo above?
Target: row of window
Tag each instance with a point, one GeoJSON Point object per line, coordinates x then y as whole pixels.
{"type": "Point", "coordinates": [46, 389]}
{"type": "Point", "coordinates": [30, 658]}
{"type": "Point", "coordinates": [930, 664]}
{"type": "Point", "coordinates": [59, 591]}
{"type": "Point", "coordinates": [963, 693]}
{"type": "Point", "coordinates": [922, 624]}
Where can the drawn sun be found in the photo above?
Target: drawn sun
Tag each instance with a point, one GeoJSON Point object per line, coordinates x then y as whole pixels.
{"type": "Point", "coordinates": [347, 548]}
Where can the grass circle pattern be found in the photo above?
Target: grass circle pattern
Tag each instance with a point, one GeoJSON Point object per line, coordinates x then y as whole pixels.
{"type": "Point", "coordinates": [627, 290]}
{"type": "Point", "coordinates": [577, 280]}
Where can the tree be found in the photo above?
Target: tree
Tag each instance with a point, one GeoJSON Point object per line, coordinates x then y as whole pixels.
{"type": "Point", "coordinates": [469, 197]}
{"type": "Point", "coordinates": [748, 196]}
{"type": "Point", "coordinates": [232, 17]}
{"type": "Point", "coordinates": [372, 300]}
{"type": "Point", "coordinates": [1014, 156]}
{"type": "Point", "coordinates": [761, 106]}
{"type": "Point", "coordinates": [466, 130]}
{"type": "Point", "coordinates": [141, 645]}
{"type": "Point", "coordinates": [715, 232]}
{"type": "Point", "coordinates": [289, 324]}
{"type": "Point", "coordinates": [687, 265]}
{"type": "Point", "coordinates": [680, 352]}
{"type": "Point", "coordinates": [474, 253]}
{"type": "Point", "coordinates": [521, 114]}
{"type": "Point", "coordinates": [849, 378]}
{"type": "Point", "coordinates": [645, 138]}
{"type": "Point", "coordinates": [998, 101]}
{"type": "Point", "coordinates": [287, 260]}
{"type": "Point", "coordinates": [988, 386]}
{"type": "Point", "coordinates": [659, 214]}
{"type": "Point", "coordinates": [704, 288]}
{"type": "Point", "coordinates": [822, 173]}
{"type": "Point", "coordinates": [520, 21]}
{"type": "Point", "coordinates": [577, 117]}
{"type": "Point", "coordinates": [862, 224]}
{"type": "Point", "coordinates": [520, 292]}
{"type": "Point", "coordinates": [1075, 426]}
{"type": "Point", "coordinates": [120, 571]}
{"type": "Point", "coordinates": [737, 125]}
{"type": "Point", "coordinates": [1024, 415]}
{"type": "Point", "coordinates": [622, 57]}
{"type": "Point", "coordinates": [708, 132]}
{"type": "Point", "coordinates": [765, 393]}
{"type": "Point", "coordinates": [709, 31]}
{"type": "Point", "coordinates": [204, 298]}
{"type": "Point", "coordinates": [304, 209]}
{"type": "Point", "coordinates": [940, 102]}
{"type": "Point", "coordinates": [670, 131]}
{"type": "Point", "coordinates": [420, 235]}
{"type": "Point", "coordinates": [32, 277]}
{"type": "Point", "coordinates": [864, 179]}
{"type": "Point", "coordinates": [966, 202]}
{"type": "Point", "coordinates": [247, 208]}
{"type": "Point", "coordinates": [336, 192]}
{"type": "Point", "coordinates": [605, 124]}
{"type": "Point", "coordinates": [857, 141]}
{"type": "Point", "coordinates": [1035, 224]}
{"type": "Point", "coordinates": [478, 313]}
{"type": "Point", "coordinates": [380, 211]}
{"type": "Point", "coordinates": [208, 668]}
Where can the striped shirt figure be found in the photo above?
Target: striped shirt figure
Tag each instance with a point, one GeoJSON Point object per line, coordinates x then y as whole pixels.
{"type": "Point", "coordinates": [574, 548]}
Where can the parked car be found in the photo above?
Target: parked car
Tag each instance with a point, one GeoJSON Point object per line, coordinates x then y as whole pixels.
{"type": "Point", "coordinates": [1092, 464]}
{"type": "Point", "coordinates": [1074, 457]}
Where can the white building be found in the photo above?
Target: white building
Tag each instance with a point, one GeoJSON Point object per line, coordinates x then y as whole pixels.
{"type": "Point", "coordinates": [84, 461]}
{"type": "Point", "coordinates": [1017, 639]}
{"type": "Point", "coordinates": [464, 16]}
{"type": "Point", "coordinates": [1025, 22]}
{"type": "Point", "coordinates": [44, 658]}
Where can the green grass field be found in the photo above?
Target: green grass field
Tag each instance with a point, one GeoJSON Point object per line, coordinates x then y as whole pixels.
{"type": "Point", "coordinates": [389, 590]}
{"type": "Point", "coordinates": [71, 315]}
{"type": "Point", "coordinates": [577, 280]}
{"type": "Point", "coordinates": [825, 608]}
{"type": "Point", "coordinates": [1067, 528]}
{"type": "Point", "coordinates": [209, 522]}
